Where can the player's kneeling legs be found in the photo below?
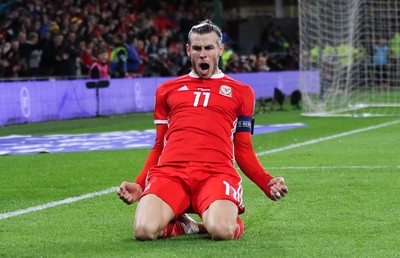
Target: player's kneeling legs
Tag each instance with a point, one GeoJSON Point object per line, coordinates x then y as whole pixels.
{"type": "Point", "coordinates": [220, 220]}
{"type": "Point", "coordinates": [152, 216]}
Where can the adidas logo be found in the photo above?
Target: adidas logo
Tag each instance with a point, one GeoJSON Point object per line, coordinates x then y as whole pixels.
{"type": "Point", "coordinates": [183, 88]}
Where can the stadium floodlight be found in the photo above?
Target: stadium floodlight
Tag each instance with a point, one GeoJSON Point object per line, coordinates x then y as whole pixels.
{"type": "Point", "coordinates": [339, 40]}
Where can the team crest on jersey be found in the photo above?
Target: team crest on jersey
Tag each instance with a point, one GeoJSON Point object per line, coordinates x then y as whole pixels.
{"type": "Point", "coordinates": [225, 90]}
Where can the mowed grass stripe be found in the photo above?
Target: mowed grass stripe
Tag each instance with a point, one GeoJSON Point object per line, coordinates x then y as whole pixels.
{"type": "Point", "coordinates": [113, 189]}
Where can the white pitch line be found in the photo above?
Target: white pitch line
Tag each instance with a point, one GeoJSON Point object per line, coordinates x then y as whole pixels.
{"type": "Point", "coordinates": [301, 144]}
{"type": "Point", "coordinates": [114, 189]}
{"type": "Point", "coordinates": [53, 204]}
{"type": "Point", "coordinates": [333, 167]}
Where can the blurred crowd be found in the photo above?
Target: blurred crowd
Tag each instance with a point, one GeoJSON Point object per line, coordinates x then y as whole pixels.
{"type": "Point", "coordinates": [117, 39]}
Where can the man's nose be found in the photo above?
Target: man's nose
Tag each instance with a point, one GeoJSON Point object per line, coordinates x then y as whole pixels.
{"type": "Point", "coordinates": [203, 53]}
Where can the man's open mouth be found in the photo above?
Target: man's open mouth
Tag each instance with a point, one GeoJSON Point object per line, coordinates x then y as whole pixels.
{"type": "Point", "coordinates": [204, 66]}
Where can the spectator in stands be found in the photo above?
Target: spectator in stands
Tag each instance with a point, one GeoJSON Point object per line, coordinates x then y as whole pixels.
{"type": "Point", "coordinates": [6, 6]}
{"type": "Point", "coordinates": [161, 66]}
{"type": "Point", "coordinates": [228, 51]}
{"type": "Point", "coordinates": [5, 29]}
{"type": "Point", "coordinates": [274, 40]}
{"type": "Point", "coordinates": [274, 62]}
{"type": "Point", "coordinates": [266, 36]}
{"type": "Point", "coordinates": [261, 65]}
{"type": "Point", "coordinates": [87, 57]}
{"type": "Point", "coordinates": [186, 20]}
{"type": "Point", "coordinates": [177, 56]}
{"type": "Point", "coordinates": [24, 53]}
{"type": "Point", "coordinates": [134, 60]}
{"type": "Point", "coordinates": [290, 62]}
{"type": "Point", "coordinates": [186, 68]}
{"type": "Point", "coordinates": [250, 63]}
{"type": "Point", "coordinates": [35, 27]}
{"type": "Point", "coordinates": [52, 56]}
{"type": "Point", "coordinates": [10, 59]}
{"type": "Point", "coordinates": [162, 22]}
{"type": "Point", "coordinates": [143, 56]}
{"type": "Point", "coordinates": [233, 64]}
{"type": "Point", "coordinates": [74, 52]}
{"type": "Point", "coordinates": [34, 55]}
{"type": "Point", "coordinates": [44, 26]}
{"type": "Point", "coordinates": [99, 68]}
{"type": "Point", "coordinates": [380, 56]}
{"type": "Point", "coordinates": [329, 53]}
{"type": "Point", "coordinates": [152, 47]}
{"type": "Point", "coordinates": [346, 54]}
{"type": "Point", "coordinates": [119, 57]}
{"type": "Point", "coordinates": [145, 27]}
{"type": "Point", "coordinates": [25, 23]}
{"type": "Point", "coordinates": [163, 43]}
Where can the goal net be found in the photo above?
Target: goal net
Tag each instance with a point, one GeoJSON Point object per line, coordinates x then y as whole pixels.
{"type": "Point", "coordinates": [350, 57]}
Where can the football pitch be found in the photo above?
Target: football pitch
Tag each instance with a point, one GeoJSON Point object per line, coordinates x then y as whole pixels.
{"type": "Point", "coordinates": [342, 173]}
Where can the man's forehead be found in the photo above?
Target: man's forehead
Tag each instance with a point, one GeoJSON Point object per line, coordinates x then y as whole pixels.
{"type": "Point", "coordinates": [204, 39]}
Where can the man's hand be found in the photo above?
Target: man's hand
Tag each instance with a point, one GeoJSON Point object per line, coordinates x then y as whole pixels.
{"type": "Point", "coordinates": [129, 192]}
{"type": "Point", "coordinates": [278, 189]}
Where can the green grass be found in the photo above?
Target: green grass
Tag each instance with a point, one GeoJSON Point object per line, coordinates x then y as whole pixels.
{"type": "Point", "coordinates": [363, 101]}
{"type": "Point", "coordinates": [343, 199]}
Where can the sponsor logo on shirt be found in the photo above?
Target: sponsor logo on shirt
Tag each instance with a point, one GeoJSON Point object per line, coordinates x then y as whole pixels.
{"type": "Point", "coordinates": [203, 89]}
{"type": "Point", "coordinates": [183, 88]}
{"type": "Point", "coordinates": [225, 90]}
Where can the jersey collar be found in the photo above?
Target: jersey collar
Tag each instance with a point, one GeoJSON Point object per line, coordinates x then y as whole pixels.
{"type": "Point", "coordinates": [218, 75]}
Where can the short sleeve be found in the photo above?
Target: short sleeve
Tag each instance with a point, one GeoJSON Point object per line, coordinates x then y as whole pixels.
{"type": "Point", "coordinates": [248, 102]}
{"type": "Point", "coordinates": [161, 111]}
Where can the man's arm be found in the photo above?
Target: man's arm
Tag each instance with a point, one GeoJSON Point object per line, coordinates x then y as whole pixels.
{"type": "Point", "coordinates": [248, 162]}
{"type": "Point", "coordinates": [154, 155]}
{"type": "Point", "coordinates": [130, 192]}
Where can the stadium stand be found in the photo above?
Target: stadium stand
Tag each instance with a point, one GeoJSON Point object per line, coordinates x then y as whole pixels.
{"type": "Point", "coordinates": [61, 39]}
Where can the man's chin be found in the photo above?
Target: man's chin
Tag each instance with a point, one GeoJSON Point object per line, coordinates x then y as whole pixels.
{"type": "Point", "coordinates": [204, 74]}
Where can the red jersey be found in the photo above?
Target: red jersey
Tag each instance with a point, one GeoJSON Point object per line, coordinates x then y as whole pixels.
{"type": "Point", "coordinates": [201, 115]}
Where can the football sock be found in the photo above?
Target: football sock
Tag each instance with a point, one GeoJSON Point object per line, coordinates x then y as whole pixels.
{"type": "Point", "coordinates": [176, 228]}
{"type": "Point", "coordinates": [173, 229]}
{"type": "Point", "coordinates": [239, 229]}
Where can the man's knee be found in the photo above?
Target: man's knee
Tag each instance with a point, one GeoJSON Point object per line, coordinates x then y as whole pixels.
{"type": "Point", "coordinates": [221, 230]}
{"type": "Point", "coordinates": [146, 232]}
{"type": "Point", "coordinates": [152, 216]}
{"type": "Point", "coordinates": [220, 220]}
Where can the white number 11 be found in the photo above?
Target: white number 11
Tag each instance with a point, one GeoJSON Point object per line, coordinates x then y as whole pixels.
{"type": "Point", "coordinates": [197, 98]}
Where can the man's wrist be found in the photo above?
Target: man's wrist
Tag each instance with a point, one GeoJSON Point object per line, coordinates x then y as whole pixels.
{"type": "Point", "coordinates": [266, 187]}
{"type": "Point", "coordinates": [141, 186]}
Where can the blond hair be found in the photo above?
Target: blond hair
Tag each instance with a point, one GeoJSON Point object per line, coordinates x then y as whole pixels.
{"type": "Point", "coordinates": [205, 27]}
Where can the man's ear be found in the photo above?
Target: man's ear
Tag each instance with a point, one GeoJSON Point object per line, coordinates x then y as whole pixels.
{"type": "Point", "coordinates": [188, 50]}
{"type": "Point", "coordinates": [221, 50]}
